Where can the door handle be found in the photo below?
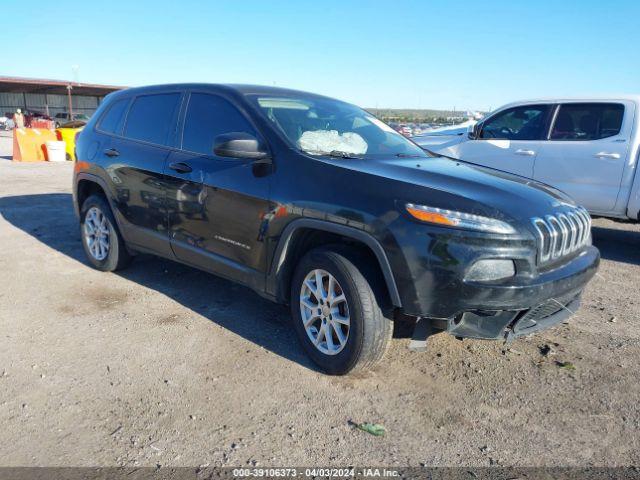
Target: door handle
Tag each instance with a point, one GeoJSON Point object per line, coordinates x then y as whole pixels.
{"type": "Point", "coordinates": [526, 153]}
{"type": "Point", "coordinates": [180, 167]}
{"type": "Point", "coordinates": [607, 155]}
{"type": "Point", "coordinates": [111, 152]}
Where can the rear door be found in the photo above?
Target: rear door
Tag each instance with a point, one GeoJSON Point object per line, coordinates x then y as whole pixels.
{"type": "Point", "coordinates": [508, 140]}
{"type": "Point", "coordinates": [217, 205]}
{"type": "Point", "coordinates": [586, 152]}
{"type": "Point", "coordinates": [137, 163]}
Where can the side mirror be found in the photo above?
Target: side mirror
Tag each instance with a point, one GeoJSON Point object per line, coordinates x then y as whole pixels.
{"type": "Point", "coordinates": [239, 145]}
{"type": "Point", "coordinates": [474, 132]}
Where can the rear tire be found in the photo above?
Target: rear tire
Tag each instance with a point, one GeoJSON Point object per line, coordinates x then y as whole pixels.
{"type": "Point", "coordinates": [101, 239]}
{"type": "Point", "coordinates": [345, 307]}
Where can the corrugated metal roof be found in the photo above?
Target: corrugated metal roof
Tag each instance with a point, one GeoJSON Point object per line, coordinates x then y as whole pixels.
{"type": "Point", "coordinates": [40, 85]}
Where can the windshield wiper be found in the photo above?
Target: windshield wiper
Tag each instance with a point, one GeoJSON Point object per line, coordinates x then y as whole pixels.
{"type": "Point", "coordinates": [341, 154]}
{"type": "Point", "coordinates": [334, 153]}
{"type": "Point", "coordinates": [408, 155]}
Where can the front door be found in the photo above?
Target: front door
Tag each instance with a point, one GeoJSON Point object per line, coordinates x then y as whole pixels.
{"type": "Point", "coordinates": [508, 141]}
{"type": "Point", "coordinates": [216, 205]}
{"type": "Point", "coordinates": [586, 153]}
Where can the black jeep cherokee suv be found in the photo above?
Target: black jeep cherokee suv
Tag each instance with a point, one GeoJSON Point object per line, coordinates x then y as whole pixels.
{"type": "Point", "coordinates": [316, 203]}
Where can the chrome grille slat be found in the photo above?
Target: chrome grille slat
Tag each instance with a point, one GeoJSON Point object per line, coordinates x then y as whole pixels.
{"type": "Point", "coordinates": [556, 239]}
{"type": "Point", "coordinates": [584, 223]}
{"type": "Point", "coordinates": [565, 229]}
{"type": "Point", "coordinates": [575, 230]}
{"type": "Point", "coordinates": [587, 217]}
{"type": "Point", "coordinates": [581, 225]}
{"type": "Point", "coordinates": [544, 244]}
{"type": "Point", "coordinates": [561, 234]}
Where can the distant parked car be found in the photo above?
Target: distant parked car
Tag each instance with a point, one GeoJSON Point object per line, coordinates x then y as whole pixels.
{"type": "Point", "coordinates": [586, 147]}
{"type": "Point", "coordinates": [405, 130]}
{"type": "Point", "coordinates": [9, 123]}
{"type": "Point", "coordinates": [62, 118]}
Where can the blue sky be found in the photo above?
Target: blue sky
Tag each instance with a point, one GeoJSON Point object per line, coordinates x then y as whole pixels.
{"type": "Point", "coordinates": [409, 54]}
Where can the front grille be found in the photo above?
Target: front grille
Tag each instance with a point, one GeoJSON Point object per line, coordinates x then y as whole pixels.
{"type": "Point", "coordinates": [562, 234]}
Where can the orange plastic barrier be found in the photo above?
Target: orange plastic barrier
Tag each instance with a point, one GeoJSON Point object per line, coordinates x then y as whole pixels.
{"type": "Point", "coordinates": [29, 144]}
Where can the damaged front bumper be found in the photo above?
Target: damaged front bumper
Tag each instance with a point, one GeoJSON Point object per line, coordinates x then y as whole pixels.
{"type": "Point", "coordinates": [509, 324]}
{"type": "Point", "coordinates": [511, 311]}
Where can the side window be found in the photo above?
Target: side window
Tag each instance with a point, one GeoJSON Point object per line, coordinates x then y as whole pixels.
{"type": "Point", "coordinates": [518, 123]}
{"type": "Point", "coordinates": [207, 117]}
{"type": "Point", "coordinates": [151, 117]}
{"type": "Point", "coordinates": [587, 121]}
{"type": "Point", "coordinates": [111, 122]}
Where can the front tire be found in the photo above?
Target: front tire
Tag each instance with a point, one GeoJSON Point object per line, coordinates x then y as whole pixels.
{"type": "Point", "coordinates": [336, 314]}
{"type": "Point", "coordinates": [101, 239]}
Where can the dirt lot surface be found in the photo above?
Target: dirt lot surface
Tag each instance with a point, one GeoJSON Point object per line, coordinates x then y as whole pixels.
{"type": "Point", "coordinates": [164, 365]}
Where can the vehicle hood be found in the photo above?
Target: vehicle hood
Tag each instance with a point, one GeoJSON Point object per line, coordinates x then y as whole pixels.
{"type": "Point", "coordinates": [452, 184]}
{"type": "Point", "coordinates": [439, 142]}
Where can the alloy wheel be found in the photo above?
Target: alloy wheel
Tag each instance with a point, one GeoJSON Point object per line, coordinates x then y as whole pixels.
{"type": "Point", "coordinates": [96, 233]}
{"type": "Point", "coordinates": [324, 311]}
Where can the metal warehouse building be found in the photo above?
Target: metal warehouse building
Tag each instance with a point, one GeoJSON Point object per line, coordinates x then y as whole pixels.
{"type": "Point", "coordinates": [50, 96]}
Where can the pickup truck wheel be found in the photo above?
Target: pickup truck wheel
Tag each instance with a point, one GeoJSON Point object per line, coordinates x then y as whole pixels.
{"type": "Point", "coordinates": [336, 314]}
{"type": "Point", "coordinates": [101, 239]}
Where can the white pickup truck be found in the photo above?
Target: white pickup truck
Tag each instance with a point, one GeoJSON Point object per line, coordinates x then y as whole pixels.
{"type": "Point", "coordinates": [586, 147]}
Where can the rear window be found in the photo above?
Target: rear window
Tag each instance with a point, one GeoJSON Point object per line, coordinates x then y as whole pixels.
{"type": "Point", "coordinates": [111, 122]}
{"type": "Point", "coordinates": [151, 117]}
{"type": "Point", "coordinates": [587, 121]}
{"type": "Point", "coordinates": [207, 117]}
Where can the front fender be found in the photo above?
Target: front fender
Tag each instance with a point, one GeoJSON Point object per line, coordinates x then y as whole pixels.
{"type": "Point", "coordinates": [284, 244]}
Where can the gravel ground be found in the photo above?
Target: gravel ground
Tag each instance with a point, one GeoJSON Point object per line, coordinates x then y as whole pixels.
{"type": "Point", "coordinates": [164, 365]}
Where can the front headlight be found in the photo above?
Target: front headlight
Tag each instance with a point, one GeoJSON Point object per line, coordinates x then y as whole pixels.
{"type": "Point", "coordinates": [450, 218]}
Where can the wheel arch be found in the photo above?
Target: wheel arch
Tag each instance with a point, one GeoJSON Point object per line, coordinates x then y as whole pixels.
{"type": "Point", "coordinates": [87, 185]}
{"type": "Point", "coordinates": [304, 234]}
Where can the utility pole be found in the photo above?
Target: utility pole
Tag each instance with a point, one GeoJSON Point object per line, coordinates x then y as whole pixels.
{"type": "Point", "coordinates": [69, 88]}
